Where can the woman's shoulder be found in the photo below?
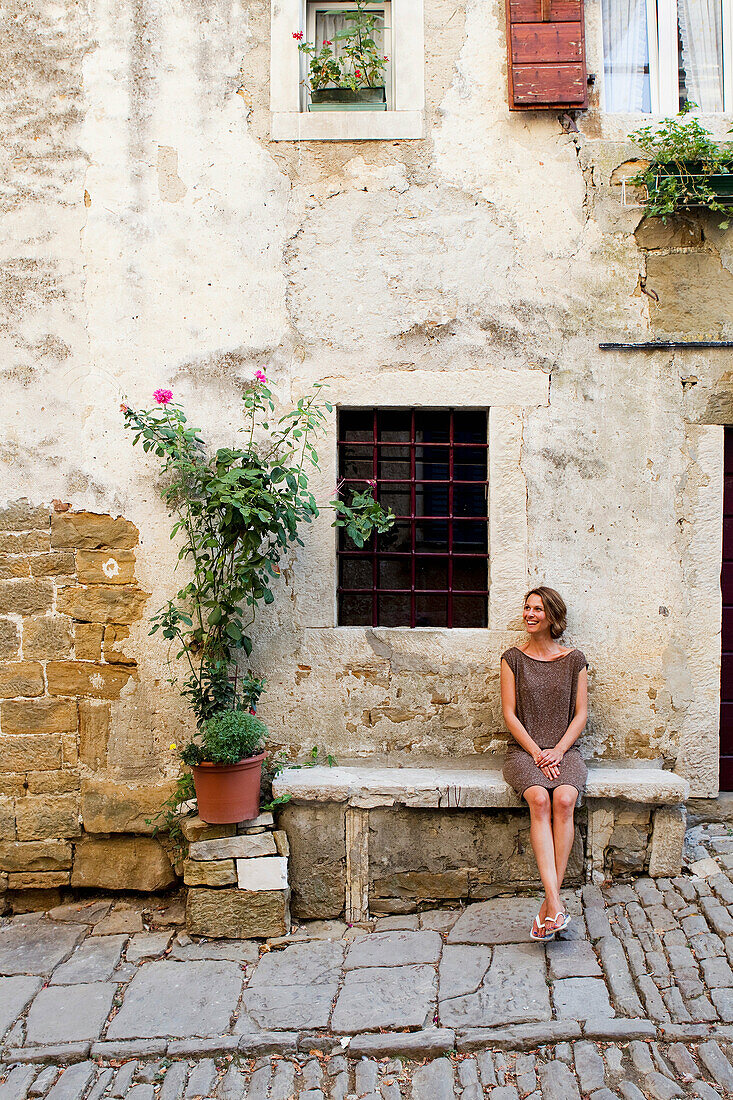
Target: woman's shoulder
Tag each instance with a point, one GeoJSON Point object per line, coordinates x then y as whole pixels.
{"type": "Point", "coordinates": [580, 659]}
{"type": "Point", "coordinates": [510, 656]}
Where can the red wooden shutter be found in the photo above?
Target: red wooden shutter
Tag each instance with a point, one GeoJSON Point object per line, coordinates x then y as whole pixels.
{"type": "Point", "coordinates": [546, 45]}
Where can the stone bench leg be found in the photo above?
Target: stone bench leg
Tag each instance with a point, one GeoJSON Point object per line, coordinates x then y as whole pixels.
{"type": "Point", "coordinates": [357, 865]}
{"type": "Point", "coordinates": [668, 834]}
{"type": "Point", "coordinates": [601, 819]}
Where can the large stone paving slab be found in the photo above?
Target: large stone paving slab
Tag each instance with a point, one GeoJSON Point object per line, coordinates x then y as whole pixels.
{"type": "Point", "coordinates": [382, 997]}
{"type": "Point", "coordinates": [581, 999]}
{"type": "Point", "coordinates": [36, 946]}
{"type": "Point", "coordinates": [514, 991]}
{"type": "Point", "coordinates": [180, 999]}
{"type": "Point", "coordinates": [70, 1013]}
{"type": "Point", "coordinates": [287, 1007]}
{"type": "Point", "coordinates": [302, 964]}
{"type": "Point", "coordinates": [501, 920]}
{"type": "Point", "coordinates": [572, 959]}
{"type": "Point", "coordinates": [15, 994]}
{"type": "Point", "coordinates": [93, 961]}
{"type": "Point", "coordinates": [462, 969]}
{"type": "Point", "coordinates": [394, 949]}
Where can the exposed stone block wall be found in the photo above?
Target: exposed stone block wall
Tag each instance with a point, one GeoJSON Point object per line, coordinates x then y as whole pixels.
{"type": "Point", "coordinates": [67, 598]}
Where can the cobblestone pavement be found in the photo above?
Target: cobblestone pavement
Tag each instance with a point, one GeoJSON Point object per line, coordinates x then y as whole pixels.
{"type": "Point", "coordinates": [103, 999]}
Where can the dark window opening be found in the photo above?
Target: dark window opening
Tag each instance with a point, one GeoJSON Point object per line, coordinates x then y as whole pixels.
{"type": "Point", "coordinates": [430, 467]}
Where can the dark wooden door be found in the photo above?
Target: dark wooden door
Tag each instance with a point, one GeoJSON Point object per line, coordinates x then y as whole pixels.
{"type": "Point", "coordinates": [726, 585]}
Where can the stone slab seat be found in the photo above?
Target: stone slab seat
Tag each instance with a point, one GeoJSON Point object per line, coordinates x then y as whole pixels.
{"type": "Point", "coordinates": [443, 787]}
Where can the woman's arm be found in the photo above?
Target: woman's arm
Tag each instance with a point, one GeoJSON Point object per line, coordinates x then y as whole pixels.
{"type": "Point", "coordinates": [576, 727]}
{"type": "Point", "coordinates": [509, 709]}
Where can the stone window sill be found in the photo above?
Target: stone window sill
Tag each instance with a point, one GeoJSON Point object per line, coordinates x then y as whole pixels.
{"type": "Point", "coordinates": [346, 126]}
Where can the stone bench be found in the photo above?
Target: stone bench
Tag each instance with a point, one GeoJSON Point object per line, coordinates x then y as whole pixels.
{"type": "Point", "coordinates": [361, 788]}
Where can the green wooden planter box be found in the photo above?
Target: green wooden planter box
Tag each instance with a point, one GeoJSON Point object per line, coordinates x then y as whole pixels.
{"type": "Point", "coordinates": [720, 183]}
{"type": "Point", "coordinates": [343, 99]}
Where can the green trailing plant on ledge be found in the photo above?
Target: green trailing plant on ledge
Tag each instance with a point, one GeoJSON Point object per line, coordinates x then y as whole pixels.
{"type": "Point", "coordinates": [687, 168]}
{"type": "Point", "coordinates": [236, 512]}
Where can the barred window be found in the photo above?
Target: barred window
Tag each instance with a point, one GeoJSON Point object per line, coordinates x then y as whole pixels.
{"type": "Point", "coordinates": [430, 468]}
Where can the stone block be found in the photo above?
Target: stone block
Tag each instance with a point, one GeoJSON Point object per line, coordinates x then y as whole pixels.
{"type": "Point", "coordinates": [22, 754]}
{"type": "Point", "coordinates": [28, 542]}
{"type": "Point", "coordinates": [668, 835]}
{"type": "Point", "coordinates": [101, 603]}
{"type": "Point", "coordinates": [56, 563]}
{"type": "Point", "coordinates": [87, 678]}
{"type": "Point", "coordinates": [13, 565]}
{"type": "Point", "coordinates": [262, 873]}
{"type": "Point", "coordinates": [34, 901]}
{"type": "Point", "coordinates": [317, 870]}
{"type": "Point", "coordinates": [7, 819]}
{"type": "Point", "coordinates": [11, 786]}
{"type": "Point", "coordinates": [38, 880]}
{"type": "Point", "coordinates": [678, 232]}
{"type": "Point", "coordinates": [262, 821]}
{"type": "Point", "coordinates": [9, 639]}
{"type": "Point", "coordinates": [88, 641]}
{"type": "Point", "coordinates": [234, 847]}
{"type": "Point", "coordinates": [105, 566]}
{"type": "Point", "coordinates": [69, 750]}
{"type": "Point", "coordinates": [121, 863]}
{"type": "Point", "coordinates": [69, 1013]}
{"type": "Point", "coordinates": [195, 828]}
{"type": "Point", "coordinates": [35, 855]}
{"type": "Point", "coordinates": [38, 716]}
{"type": "Point", "coordinates": [114, 636]}
{"type": "Point", "coordinates": [211, 872]}
{"type": "Point", "coordinates": [281, 842]}
{"type": "Point", "coordinates": [22, 597]}
{"type": "Point", "coordinates": [109, 807]}
{"type": "Point", "coordinates": [708, 293]}
{"type": "Point", "coordinates": [92, 531]}
{"type": "Point", "coordinates": [94, 723]}
{"type": "Point", "coordinates": [21, 515]}
{"type": "Point", "coordinates": [41, 817]}
{"type": "Point", "coordinates": [60, 782]}
{"type": "Point", "coordinates": [423, 885]}
{"type": "Point", "coordinates": [47, 637]}
{"type": "Point", "coordinates": [21, 678]}
{"type": "Point", "coordinates": [237, 914]}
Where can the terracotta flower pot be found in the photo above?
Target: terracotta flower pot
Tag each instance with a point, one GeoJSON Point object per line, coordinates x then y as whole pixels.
{"type": "Point", "coordinates": [228, 793]}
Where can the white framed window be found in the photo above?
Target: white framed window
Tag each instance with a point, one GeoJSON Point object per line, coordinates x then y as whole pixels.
{"type": "Point", "coordinates": [404, 45]}
{"type": "Point", "coordinates": [662, 54]}
{"type": "Point", "coordinates": [325, 19]}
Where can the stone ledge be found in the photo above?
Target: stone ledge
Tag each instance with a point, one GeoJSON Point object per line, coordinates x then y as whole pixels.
{"type": "Point", "coordinates": [405, 1044]}
{"type": "Point", "coordinates": [441, 787]}
{"type": "Point", "coordinates": [132, 1048]}
{"type": "Point", "coordinates": [518, 1037]}
{"type": "Point", "coordinates": [58, 1054]}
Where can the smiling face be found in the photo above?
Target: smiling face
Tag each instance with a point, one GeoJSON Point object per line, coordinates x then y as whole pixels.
{"type": "Point", "coordinates": [535, 618]}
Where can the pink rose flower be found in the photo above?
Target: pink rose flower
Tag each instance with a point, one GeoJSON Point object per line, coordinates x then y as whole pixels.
{"type": "Point", "coordinates": [260, 376]}
{"type": "Point", "coordinates": [163, 396]}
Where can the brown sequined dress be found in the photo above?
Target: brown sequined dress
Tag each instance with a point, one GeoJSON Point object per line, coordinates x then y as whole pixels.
{"type": "Point", "coordinates": [545, 692]}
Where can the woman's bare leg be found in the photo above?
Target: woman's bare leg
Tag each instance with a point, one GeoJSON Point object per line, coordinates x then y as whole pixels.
{"type": "Point", "coordinates": [543, 846]}
{"type": "Point", "coordinates": [563, 831]}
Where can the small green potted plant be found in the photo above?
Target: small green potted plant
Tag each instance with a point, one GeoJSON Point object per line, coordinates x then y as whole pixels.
{"type": "Point", "coordinates": [225, 758]}
{"type": "Point", "coordinates": [686, 168]}
{"type": "Point", "coordinates": [347, 74]}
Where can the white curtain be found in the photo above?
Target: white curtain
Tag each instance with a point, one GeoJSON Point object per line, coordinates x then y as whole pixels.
{"type": "Point", "coordinates": [701, 29]}
{"type": "Point", "coordinates": [626, 55]}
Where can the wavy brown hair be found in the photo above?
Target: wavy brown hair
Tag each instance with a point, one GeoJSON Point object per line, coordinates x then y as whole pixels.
{"type": "Point", "coordinates": [555, 608]}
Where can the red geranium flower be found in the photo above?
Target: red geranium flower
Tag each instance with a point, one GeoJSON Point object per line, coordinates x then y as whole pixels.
{"type": "Point", "coordinates": [297, 35]}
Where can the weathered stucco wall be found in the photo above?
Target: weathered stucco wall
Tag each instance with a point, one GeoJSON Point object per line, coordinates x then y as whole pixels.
{"type": "Point", "coordinates": [153, 234]}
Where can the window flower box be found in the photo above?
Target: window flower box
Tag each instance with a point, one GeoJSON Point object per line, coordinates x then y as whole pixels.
{"type": "Point", "coordinates": [345, 99]}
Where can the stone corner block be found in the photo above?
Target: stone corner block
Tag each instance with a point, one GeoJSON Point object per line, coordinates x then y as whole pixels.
{"type": "Point", "coordinates": [263, 873]}
{"type": "Point", "coordinates": [238, 914]}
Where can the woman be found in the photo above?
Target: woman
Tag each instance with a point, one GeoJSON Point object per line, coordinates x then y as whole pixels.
{"type": "Point", "coordinates": [544, 697]}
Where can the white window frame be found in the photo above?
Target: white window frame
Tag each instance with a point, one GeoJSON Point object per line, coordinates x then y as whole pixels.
{"type": "Point", "coordinates": [315, 6]}
{"type": "Point", "coordinates": [291, 122]}
{"type": "Point", "coordinates": [661, 17]}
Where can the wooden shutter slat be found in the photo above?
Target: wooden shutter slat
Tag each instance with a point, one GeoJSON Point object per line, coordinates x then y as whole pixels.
{"type": "Point", "coordinates": [546, 57]}
{"type": "Point", "coordinates": [530, 11]}
{"type": "Point", "coordinates": [550, 41]}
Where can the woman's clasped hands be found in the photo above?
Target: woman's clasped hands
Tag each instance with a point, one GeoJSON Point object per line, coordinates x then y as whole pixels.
{"type": "Point", "coordinates": [548, 761]}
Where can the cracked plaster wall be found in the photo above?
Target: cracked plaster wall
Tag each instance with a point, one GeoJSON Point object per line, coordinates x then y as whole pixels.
{"type": "Point", "coordinates": [154, 235]}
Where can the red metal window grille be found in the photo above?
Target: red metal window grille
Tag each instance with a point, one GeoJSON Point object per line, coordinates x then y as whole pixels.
{"type": "Point", "coordinates": [430, 467]}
